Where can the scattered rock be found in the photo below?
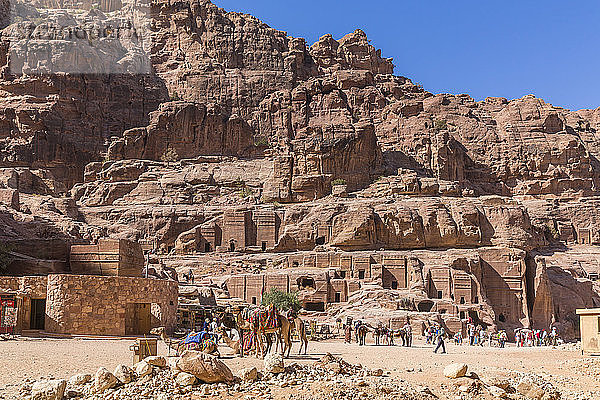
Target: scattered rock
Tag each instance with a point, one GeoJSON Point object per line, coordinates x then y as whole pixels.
{"type": "Point", "coordinates": [273, 363]}
{"type": "Point", "coordinates": [456, 370]}
{"type": "Point", "coordinates": [497, 391]}
{"type": "Point", "coordinates": [104, 379]}
{"type": "Point", "coordinates": [123, 373]}
{"type": "Point", "coordinates": [157, 361]}
{"type": "Point", "coordinates": [79, 379]}
{"type": "Point", "coordinates": [142, 369]}
{"type": "Point", "coordinates": [52, 389]}
{"type": "Point", "coordinates": [207, 368]}
{"type": "Point", "coordinates": [185, 379]}
{"type": "Point", "coordinates": [530, 389]}
{"type": "Point", "coordinates": [249, 374]}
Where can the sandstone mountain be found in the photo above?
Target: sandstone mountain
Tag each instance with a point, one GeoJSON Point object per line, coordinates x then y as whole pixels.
{"type": "Point", "coordinates": [243, 139]}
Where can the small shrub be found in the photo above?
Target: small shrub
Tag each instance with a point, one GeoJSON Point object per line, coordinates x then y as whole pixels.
{"type": "Point", "coordinates": [246, 192]}
{"type": "Point", "coordinates": [552, 232]}
{"type": "Point", "coordinates": [175, 97]}
{"type": "Point", "coordinates": [262, 142]}
{"type": "Point", "coordinates": [338, 182]}
{"type": "Point", "coordinates": [170, 155]}
{"type": "Point", "coordinates": [440, 125]}
{"type": "Point", "coordinates": [282, 300]}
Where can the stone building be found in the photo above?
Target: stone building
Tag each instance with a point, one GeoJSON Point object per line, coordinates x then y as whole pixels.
{"type": "Point", "coordinates": [589, 323]}
{"type": "Point", "coordinates": [108, 258]}
{"type": "Point", "coordinates": [92, 305]}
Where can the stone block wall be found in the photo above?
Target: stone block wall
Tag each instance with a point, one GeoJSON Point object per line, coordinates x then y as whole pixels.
{"type": "Point", "coordinates": [503, 278]}
{"type": "Point", "coordinates": [108, 258]}
{"type": "Point", "coordinates": [235, 225]}
{"type": "Point", "coordinates": [267, 228]}
{"type": "Point", "coordinates": [95, 305]}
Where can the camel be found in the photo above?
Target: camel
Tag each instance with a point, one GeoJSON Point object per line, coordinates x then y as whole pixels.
{"type": "Point", "coordinates": [301, 330]}
{"type": "Point", "coordinates": [208, 346]}
{"type": "Point", "coordinates": [263, 334]}
{"type": "Point", "coordinates": [233, 344]}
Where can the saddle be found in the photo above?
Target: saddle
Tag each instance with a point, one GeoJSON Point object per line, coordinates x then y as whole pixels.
{"type": "Point", "coordinates": [265, 317]}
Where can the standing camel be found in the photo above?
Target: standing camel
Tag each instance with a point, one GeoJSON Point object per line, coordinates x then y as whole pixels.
{"type": "Point", "coordinates": [301, 330]}
{"type": "Point", "coordinates": [260, 331]}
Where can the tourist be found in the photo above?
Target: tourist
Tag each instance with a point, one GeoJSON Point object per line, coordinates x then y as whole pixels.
{"type": "Point", "coordinates": [440, 341]}
{"type": "Point", "coordinates": [482, 337]}
{"type": "Point", "coordinates": [214, 329]}
{"type": "Point", "coordinates": [458, 338]}
{"type": "Point", "coordinates": [348, 333]}
{"type": "Point", "coordinates": [554, 336]}
{"type": "Point", "coordinates": [428, 335]}
{"type": "Point", "coordinates": [502, 337]}
{"type": "Point", "coordinates": [471, 330]}
{"type": "Point", "coordinates": [402, 334]}
{"type": "Point", "coordinates": [407, 328]}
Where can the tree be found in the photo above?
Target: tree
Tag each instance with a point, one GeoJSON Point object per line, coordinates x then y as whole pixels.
{"type": "Point", "coordinates": [282, 300]}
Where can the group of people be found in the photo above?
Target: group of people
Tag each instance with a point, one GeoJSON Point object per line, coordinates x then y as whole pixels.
{"type": "Point", "coordinates": [478, 336]}
{"type": "Point", "coordinates": [435, 334]}
{"type": "Point", "coordinates": [537, 337]}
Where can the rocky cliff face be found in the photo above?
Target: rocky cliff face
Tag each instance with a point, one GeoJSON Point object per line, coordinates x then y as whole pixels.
{"type": "Point", "coordinates": [344, 156]}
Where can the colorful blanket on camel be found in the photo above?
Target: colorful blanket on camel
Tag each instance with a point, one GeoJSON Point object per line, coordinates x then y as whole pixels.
{"type": "Point", "coordinates": [266, 317]}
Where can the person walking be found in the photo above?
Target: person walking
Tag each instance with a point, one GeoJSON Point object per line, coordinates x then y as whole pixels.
{"type": "Point", "coordinates": [440, 341]}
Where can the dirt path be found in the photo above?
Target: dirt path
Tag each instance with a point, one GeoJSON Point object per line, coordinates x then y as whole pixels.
{"type": "Point", "coordinates": [62, 358]}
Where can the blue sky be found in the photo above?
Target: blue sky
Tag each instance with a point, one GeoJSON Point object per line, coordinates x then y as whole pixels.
{"type": "Point", "coordinates": [484, 48]}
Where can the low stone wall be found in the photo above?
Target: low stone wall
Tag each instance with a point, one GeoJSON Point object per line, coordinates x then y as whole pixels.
{"type": "Point", "coordinates": [96, 305]}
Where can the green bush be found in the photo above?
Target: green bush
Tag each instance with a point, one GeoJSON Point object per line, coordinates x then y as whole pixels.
{"type": "Point", "coordinates": [262, 142]}
{"type": "Point", "coordinates": [283, 301]}
{"type": "Point", "coordinates": [440, 125]}
{"type": "Point", "coordinates": [338, 182]}
{"type": "Point", "coordinates": [246, 192]}
{"type": "Point", "coordinates": [170, 155]}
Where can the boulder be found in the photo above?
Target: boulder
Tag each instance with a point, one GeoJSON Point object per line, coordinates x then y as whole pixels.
{"type": "Point", "coordinates": [142, 369]}
{"type": "Point", "coordinates": [530, 389]}
{"type": "Point", "coordinates": [157, 361]}
{"type": "Point", "coordinates": [456, 370]}
{"type": "Point", "coordinates": [497, 392]}
{"type": "Point", "coordinates": [79, 379]}
{"type": "Point", "coordinates": [104, 380]}
{"type": "Point", "coordinates": [207, 368]}
{"type": "Point", "coordinates": [52, 389]}
{"type": "Point", "coordinates": [123, 373]}
{"type": "Point", "coordinates": [172, 363]}
{"type": "Point", "coordinates": [273, 363]}
{"type": "Point", "coordinates": [249, 374]}
{"type": "Point", "coordinates": [185, 379]}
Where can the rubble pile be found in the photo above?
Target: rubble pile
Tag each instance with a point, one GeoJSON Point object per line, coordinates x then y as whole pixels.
{"type": "Point", "coordinates": [161, 378]}
{"type": "Point", "coordinates": [502, 385]}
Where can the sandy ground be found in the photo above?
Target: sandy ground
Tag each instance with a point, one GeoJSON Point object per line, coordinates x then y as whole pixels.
{"type": "Point", "coordinates": [62, 358]}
